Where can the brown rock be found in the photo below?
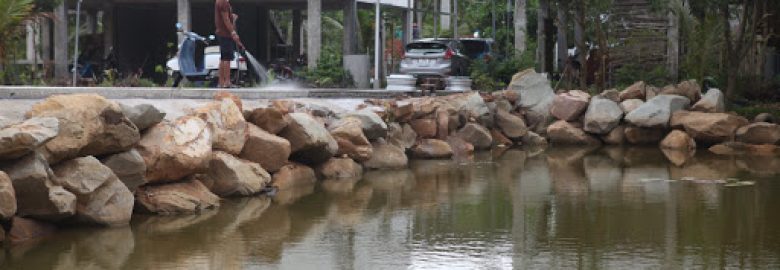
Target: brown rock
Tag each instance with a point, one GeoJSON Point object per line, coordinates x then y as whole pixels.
{"type": "Point", "coordinates": [512, 126]}
{"type": "Point", "coordinates": [36, 194]}
{"type": "Point", "coordinates": [764, 117]}
{"type": "Point", "coordinates": [615, 137]}
{"type": "Point", "coordinates": [442, 125]}
{"type": "Point", "coordinates": [23, 229]}
{"type": "Point", "coordinates": [271, 119]}
{"type": "Point", "coordinates": [629, 105]}
{"type": "Point", "coordinates": [20, 139]}
{"type": "Point", "coordinates": [223, 95]}
{"type": "Point", "coordinates": [339, 168]}
{"type": "Point", "coordinates": [678, 140]}
{"type": "Point", "coordinates": [129, 167]}
{"type": "Point", "coordinates": [310, 142]}
{"type": "Point", "coordinates": [460, 147]}
{"type": "Point", "coordinates": [386, 156]}
{"type": "Point", "coordinates": [351, 140]}
{"type": "Point", "coordinates": [759, 133]}
{"type": "Point", "coordinates": [190, 196]}
{"type": "Point", "coordinates": [562, 132]}
{"type": "Point", "coordinates": [7, 197]}
{"type": "Point", "coordinates": [499, 139]}
{"type": "Point", "coordinates": [689, 89]}
{"type": "Point", "coordinates": [740, 148]}
{"type": "Point", "coordinates": [89, 125]}
{"type": "Point", "coordinates": [176, 150]}
{"type": "Point", "coordinates": [638, 135]}
{"type": "Point", "coordinates": [570, 106]}
{"type": "Point", "coordinates": [611, 94]}
{"type": "Point", "coordinates": [476, 135]}
{"type": "Point", "coordinates": [708, 128]}
{"type": "Point", "coordinates": [227, 124]}
{"type": "Point", "coordinates": [101, 198]}
{"type": "Point", "coordinates": [266, 149]}
{"type": "Point", "coordinates": [425, 128]}
{"type": "Point", "coordinates": [651, 92]}
{"type": "Point", "coordinates": [635, 91]}
{"type": "Point", "coordinates": [432, 148]}
{"type": "Point", "coordinates": [235, 177]}
{"type": "Point", "coordinates": [534, 140]}
{"type": "Point", "coordinates": [294, 175]}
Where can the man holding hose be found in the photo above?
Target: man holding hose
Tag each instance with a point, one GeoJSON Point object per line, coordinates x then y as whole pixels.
{"type": "Point", "coordinates": [228, 39]}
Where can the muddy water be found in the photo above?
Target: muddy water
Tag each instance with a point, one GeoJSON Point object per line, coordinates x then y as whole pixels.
{"type": "Point", "coordinates": [564, 208]}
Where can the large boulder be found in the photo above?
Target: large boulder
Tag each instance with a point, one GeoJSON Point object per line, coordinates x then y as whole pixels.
{"type": "Point", "coordinates": [689, 89]}
{"type": "Point", "coordinates": [101, 198]}
{"type": "Point", "coordinates": [764, 117]}
{"type": "Point", "coordinates": [512, 125]}
{"type": "Point", "coordinates": [373, 126]}
{"type": "Point", "coordinates": [535, 95]}
{"type": "Point", "coordinates": [635, 91]}
{"type": "Point", "coordinates": [23, 229]}
{"type": "Point", "coordinates": [89, 125]}
{"type": "Point", "coordinates": [129, 167]}
{"type": "Point", "coordinates": [603, 116]}
{"type": "Point", "coordinates": [270, 119]}
{"type": "Point", "coordinates": [143, 116]}
{"type": "Point", "coordinates": [266, 149]}
{"type": "Point", "coordinates": [401, 135]}
{"type": "Point", "coordinates": [629, 105]}
{"type": "Point", "coordinates": [386, 156]}
{"type": "Point", "coordinates": [425, 128]}
{"type": "Point", "coordinates": [294, 175]}
{"type": "Point", "coordinates": [432, 148]}
{"type": "Point", "coordinates": [569, 106]}
{"type": "Point", "coordinates": [348, 133]}
{"type": "Point", "coordinates": [712, 102]}
{"type": "Point", "coordinates": [643, 136]}
{"type": "Point", "coordinates": [7, 197]}
{"type": "Point", "coordinates": [678, 140]}
{"type": "Point", "coordinates": [562, 132]}
{"type": "Point", "coordinates": [657, 112]}
{"type": "Point", "coordinates": [310, 142]}
{"type": "Point", "coordinates": [340, 168]}
{"type": "Point", "coordinates": [472, 104]}
{"type": "Point", "coordinates": [176, 198]}
{"type": "Point", "coordinates": [174, 150]}
{"type": "Point", "coordinates": [759, 133]}
{"type": "Point", "coordinates": [22, 138]}
{"type": "Point", "coordinates": [37, 195]}
{"type": "Point", "coordinates": [231, 176]}
{"type": "Point", "coordinates": [227, 123]}
{"type": "Point", "coordinates": [709, 128]}
{"type": "Point", "coordinates": [476, 135]}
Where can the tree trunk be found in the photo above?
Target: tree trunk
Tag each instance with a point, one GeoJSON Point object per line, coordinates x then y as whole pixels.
{"type": "Point", "coordinates": [541, 41]}
{"type": "Point", "coordinates": [582, 50]}
{"type": "Point", "coordinates": [563, 45]}
{"type": "Point", "coordinates": [521, 23]}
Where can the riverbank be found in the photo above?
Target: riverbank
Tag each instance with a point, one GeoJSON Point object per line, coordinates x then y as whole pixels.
{"type": "Point", "coordinates": [82, 159]}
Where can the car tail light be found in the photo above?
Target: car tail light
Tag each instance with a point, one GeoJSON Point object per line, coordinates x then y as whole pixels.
{"type": "Point", "coordinates": [448, 55]}
{"type": "Point", "coordinates": [242, 59]}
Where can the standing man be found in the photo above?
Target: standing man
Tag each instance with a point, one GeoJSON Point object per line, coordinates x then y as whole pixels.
{"type": "Point", "coordinates": [228, 39]}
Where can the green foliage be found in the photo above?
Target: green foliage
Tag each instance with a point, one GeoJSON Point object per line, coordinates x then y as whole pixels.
{"type": "Point", "coordinates": [330, 73]}
{"type": "Point", "coordinates": [629, 74]}
{"type": "Point", "coordinates": [497, 73]}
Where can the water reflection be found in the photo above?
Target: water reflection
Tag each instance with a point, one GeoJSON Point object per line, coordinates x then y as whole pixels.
{"type": "Point", "coordinates": [563, 208]}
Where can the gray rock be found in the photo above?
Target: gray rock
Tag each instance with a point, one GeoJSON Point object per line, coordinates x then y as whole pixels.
{"type": "Point", "coordinates": [373, 125]}
{"type": "Point", "coordinates": [535, 94]}
{"type": "Point", "coordinates": [143, 116]}
{"type": "Point", "coordinates": [657, 112]}
{"type": "Point", "coordinates": [20, 139]}
{"type": "Point", "coordinates": [230, 176]}
{"type": "Point", "coordinates": [37, 195]}
{"type": "Point", "coordinates": [101, 198]}
{"type": "Point", "coordinates": [764, 117]}
{"type": "Point", "coordinates": [562, 132]}
{"type": "Point", "coordinates": [712, 102]}
{"type": "Point", "coordinates": [476, 135]}
{"type": "Point", "coordinates": [512, 125]}
{"type": "Point", "coordinates": [129, 167]}
{"type": "Point", "coordinates": [310, 142]}
{"type": "Point", "coordinates": [183, 197]}
{"type": "Point", "coordinates": [602, 116]}
{"type": "Point", "coordinates": [534, 140]}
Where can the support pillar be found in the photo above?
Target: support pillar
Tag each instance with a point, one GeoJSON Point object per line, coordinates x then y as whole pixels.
{"type": "Point", "coordinates": [673, 46]}
{"type": "Point", "coordinates": [297, 35]}
{"type": "Point", "coordinates": [31, 53]}
{"type": "Point", "coordinates": [313, 31]}
{"type": "Point", "coordinates": [61, 42]}
{"type": "Point", "coordinates": [45, 40]}
{"type": "Point", "coordinates": [109, 24]}
{"type": "Point", "coordinates": [184, 16]}
{"type": "Point", "coordinates": [445, 7]}
{"type": "Point", "coordinates": [409, 23]}
{"type": "Point", "coordinates": [563, 47]}
{"type": "Point", "coordinates": [350, 44]}
{"type": "Point", "coordinates": [92, 16]}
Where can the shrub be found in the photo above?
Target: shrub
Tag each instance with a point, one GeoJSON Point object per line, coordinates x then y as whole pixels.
{"type": "Point", "coordinates": [329, 73]}
{"type": "Point", "coordinates": [496, 73]}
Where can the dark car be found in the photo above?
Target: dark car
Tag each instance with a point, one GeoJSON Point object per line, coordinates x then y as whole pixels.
{"type": "Point", "coordinates": [478, 48]}
{"type": "Point", "coordinates": [435, 57]}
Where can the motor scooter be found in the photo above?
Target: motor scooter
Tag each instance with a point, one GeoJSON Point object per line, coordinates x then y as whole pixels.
{"type": "Point", "coordinates": [198, 61]}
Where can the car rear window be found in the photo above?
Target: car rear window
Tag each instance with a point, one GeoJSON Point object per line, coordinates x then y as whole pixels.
{"type": "Point", "coordinates": [427, 47]}
{"type": "Point", "coordinates": [474, 48]}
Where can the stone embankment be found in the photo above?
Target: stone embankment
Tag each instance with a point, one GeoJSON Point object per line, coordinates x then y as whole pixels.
{"type": "Point", "coordinates": [82, 159]}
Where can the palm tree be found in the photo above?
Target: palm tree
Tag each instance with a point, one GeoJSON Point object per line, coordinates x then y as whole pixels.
{"type": "Point", "coordinates": [13, 15]}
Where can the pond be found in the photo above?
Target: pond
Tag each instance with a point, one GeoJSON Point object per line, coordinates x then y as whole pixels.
{"type": "Point", "coordinates": [522, 209]}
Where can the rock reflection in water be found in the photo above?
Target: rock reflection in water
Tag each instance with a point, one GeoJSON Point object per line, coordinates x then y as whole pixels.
{"type": "Point", "coordinates": [611, 207]}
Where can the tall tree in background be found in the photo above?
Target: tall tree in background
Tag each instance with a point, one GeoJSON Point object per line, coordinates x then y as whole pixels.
{"type": "Point", "coordinates": [521, 23]}
{"type": "Point", "coordinates": [579, 40]}
{"type": "Point", "coordinates": [749, 15]}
